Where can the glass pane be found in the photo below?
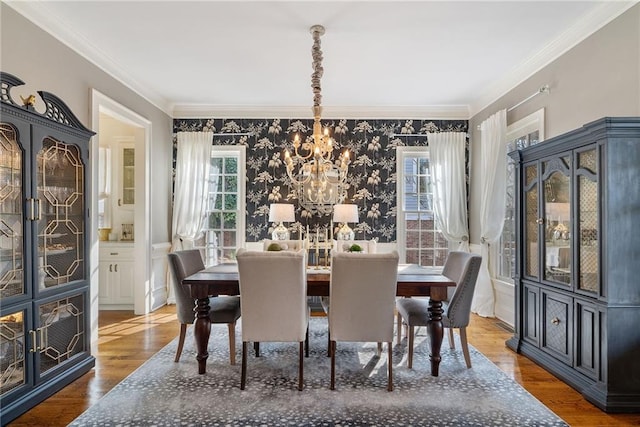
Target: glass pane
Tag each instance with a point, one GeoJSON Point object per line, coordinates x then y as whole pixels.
{"type": "Point", "coordinates": [531, 232]}
{"type": "Point", "coordinates": [11, 220]}
{"type": "Point", "coordinates": [12, 354]}
{"type": "Point", "coordinates": [412, 222]}
{"type": "Point", "coordinates": [61, 331]}
{"type": "Point", "coordinates": [230, 220]}
{"type": "Point", "coordinates": [60, 215]}
{"type": "Point", "coordinates": [230, 165]}
{"type": "Point", "coordinates": [413, 256]}
{"type": "Point", "coordinates": [228, 255]}
{"type": "Point", "coordinates": [427, 257]}
{"type": "Point", "coordinates": [216, 165]}
{"type": "Point", "coordinates": [231, 184]}
{"type": "Point", "coordinates": [557, 260]}
{"type": "Point", "coordinates": [413, 239]}
{"type": "Point", "coordinates": [229, 238]}
{"type": "Point", "coordinates": [427, 239]}
{"type": "Point", "coordinates": [588, 278]}
{"type": "Point", "coordinates": [230, 201]}
{"type": "Point", "coordinates": [215, 220]}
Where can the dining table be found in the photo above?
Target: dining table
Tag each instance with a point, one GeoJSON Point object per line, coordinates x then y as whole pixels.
{"type": "Point", "coordinates": [413, 281]}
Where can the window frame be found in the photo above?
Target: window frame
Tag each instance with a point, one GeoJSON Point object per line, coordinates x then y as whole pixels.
{"type": "Point", "coordinates": [239, 152]}
{"type": "Point", "coordinates": [402, 153]}
{"type": "Point", "coordinates": [520, 128]}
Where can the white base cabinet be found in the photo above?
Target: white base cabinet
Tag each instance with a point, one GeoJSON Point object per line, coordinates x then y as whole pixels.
{"type": "Point", "coordinates": [116, 276]}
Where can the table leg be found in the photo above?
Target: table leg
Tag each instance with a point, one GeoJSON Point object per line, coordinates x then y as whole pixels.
{"type": "Point", "coordinates": [201, 331]}
{"type": "Point", "coordinates": [436, 332]}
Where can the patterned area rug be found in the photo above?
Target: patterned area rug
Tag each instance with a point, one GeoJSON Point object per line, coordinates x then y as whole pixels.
{"type": "Point", "coordinates": [164, 393]}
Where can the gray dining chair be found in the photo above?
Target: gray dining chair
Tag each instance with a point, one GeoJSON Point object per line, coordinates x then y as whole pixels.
{"type": "Point", "coordinates": [273, 289]}
{"type": "Point", "coordinates": [361, 296]}
{"type": "Point", "coordinates": [463, 268]}
{"type": "Point", "coordinates": [222, 309]}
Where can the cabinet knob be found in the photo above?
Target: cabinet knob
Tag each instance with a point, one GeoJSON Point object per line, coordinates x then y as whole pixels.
{"type": "Point", "coordinates": [555, 321]}
{"type": "Point", "coordinates": [539, 221]}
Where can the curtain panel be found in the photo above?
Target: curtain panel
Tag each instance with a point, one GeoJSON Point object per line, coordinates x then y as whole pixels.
{"type": "Point", "coordinates": [191, 188]}
{"type": "Point", "coordinates": [448, 170]}
{"type": "Point", "coordinates": [493, 157]}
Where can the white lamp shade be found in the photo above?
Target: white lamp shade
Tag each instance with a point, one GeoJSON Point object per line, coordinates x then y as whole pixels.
{"type": "Point", "coordinates": [281, 212]}
{"type": "Point", "coordinates": [345, 213]}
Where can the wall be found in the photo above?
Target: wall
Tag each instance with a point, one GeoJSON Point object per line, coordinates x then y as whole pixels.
{"type": "Point", "coordinates": [598, 77]}
{"type": "Point", "coordinates": [44, 63]}
{"type": "Point", "coordinates": [372, 173]}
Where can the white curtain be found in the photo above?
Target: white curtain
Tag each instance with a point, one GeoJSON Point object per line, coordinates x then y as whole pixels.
{"type": "Point", "coordinates": [447, 161]}
{"type": "Point", "coordinates": [493, 153]}
{"type": "Point", "coordinates": [193, 161]}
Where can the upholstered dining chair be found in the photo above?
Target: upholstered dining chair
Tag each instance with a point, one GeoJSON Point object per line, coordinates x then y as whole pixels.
{"type": "Point", "coordinates": [223, 309]}
{"type": "Point", "coordinates": [463, 268]}
{"type": "Point", "coordinates": [362, 300]}
{"type": "Point", "coordinates": [273, 289]}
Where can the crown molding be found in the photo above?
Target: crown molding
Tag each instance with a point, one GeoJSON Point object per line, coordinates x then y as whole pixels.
{"type": "Point", "coordinates": [451, 112]}
{"type": "Point", "coordinates": [37, 12]}
{"type": "Point", "coordinates": [589, 24]}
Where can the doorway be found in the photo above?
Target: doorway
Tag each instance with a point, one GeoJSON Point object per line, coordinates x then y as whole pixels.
{"type": "Point", "coordinates": [108, 113]}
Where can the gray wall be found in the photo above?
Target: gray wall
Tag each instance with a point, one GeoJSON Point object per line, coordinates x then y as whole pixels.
{"type": "Point", "coordinates": [596, 78]}
{"type": "Point", "coordinates": [44, 63]}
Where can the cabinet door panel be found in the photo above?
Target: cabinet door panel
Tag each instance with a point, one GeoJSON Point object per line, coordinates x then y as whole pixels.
{"type": "Point", "coordinates": [60, 331]}
{"type": "Point", "coordinates": [588, 279]}
{"type": "Point", "coordinates": [14, 350]}
{"type": "Point", "coordinates": [531, 307]}
{"type": "Point", "coordinates": [556, 325]}
{"type": "Point", "coordinates": [587, 327]}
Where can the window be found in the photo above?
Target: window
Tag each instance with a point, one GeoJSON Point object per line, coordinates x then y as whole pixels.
{"type": "Point", "coordinates": [419, 239]}
{"type": "Point", "coordinates": [225, 228]}
{"type": "Point", "coordinates": [523, 133]}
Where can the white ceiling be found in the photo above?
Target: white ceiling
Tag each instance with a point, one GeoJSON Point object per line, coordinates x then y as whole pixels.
{"type": "Point", "coordinates": [381, 59]}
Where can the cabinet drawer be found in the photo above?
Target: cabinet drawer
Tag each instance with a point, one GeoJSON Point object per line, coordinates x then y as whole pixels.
{"type": "Point", "coordinates": [116, 253]}
{"type": "Point", "coordinates": [557, 325]}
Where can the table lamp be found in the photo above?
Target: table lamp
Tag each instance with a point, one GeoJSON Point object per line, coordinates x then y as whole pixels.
{"type": "Point", "coordinates": [343, 214]}
{"type": "Point", "coordinates": [279, 213]}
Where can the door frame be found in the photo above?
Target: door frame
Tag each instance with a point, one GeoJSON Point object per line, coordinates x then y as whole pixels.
{"type": "Point", "coordinates": [101, 103]}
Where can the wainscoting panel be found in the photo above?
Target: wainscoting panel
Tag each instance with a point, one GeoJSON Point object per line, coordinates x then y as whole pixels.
{"type": "Point", "coordinates": [159, 271]}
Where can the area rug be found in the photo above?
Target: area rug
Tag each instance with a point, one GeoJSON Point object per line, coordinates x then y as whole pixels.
{"type": "Point", "coordinates": [164, 393]}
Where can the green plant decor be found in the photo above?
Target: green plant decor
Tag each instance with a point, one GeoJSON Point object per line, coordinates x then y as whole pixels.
{"type": "Point", "coordinates": [274, 247]}
{"type": "Point", "coordinates": [355, 248]}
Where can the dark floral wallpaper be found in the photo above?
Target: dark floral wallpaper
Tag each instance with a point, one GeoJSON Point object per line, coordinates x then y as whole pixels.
{"type": "Point", "coordinates": [372, 172]}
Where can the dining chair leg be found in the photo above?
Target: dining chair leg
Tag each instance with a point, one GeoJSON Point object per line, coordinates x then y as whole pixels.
{"type": "Point", "coordinates": [379, 349]}
{"type": "Point", "coordinates": [243, 375]}
{"type": "Point", "coordinates": [390, 363]}
{"type": "Point", "coordinates": [465, 347]}
{"type": "Point", "coordinates": [329, 343]}
{"type": "Point", "coordinates": [256, 348]}
{"type": "Point", "coordinates": [410, 345]}
{"type": "Point", "coordinates": [399, 328]}
{"type": "Point", "coordinates": [306, 343]}
{"type": "Point", "coordinates": [332, 347]}
{"type": "Point", "coordinates": [232, 342]}
{"type": "Point", "coordinates": [183, 334]}
{"type": "Point", "coordinates": [301, 368]}
{"type": "Point", "coordinates": [452, 343]}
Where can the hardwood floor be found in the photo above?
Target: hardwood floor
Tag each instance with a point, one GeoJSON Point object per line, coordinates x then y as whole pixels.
{"type": "Point", "coordinates": [126, 341]}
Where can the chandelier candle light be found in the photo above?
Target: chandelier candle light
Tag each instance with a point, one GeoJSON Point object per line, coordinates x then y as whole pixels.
{"type": "Point", "coordinates": [279, 213]}
{"type": "Point", "coordinates": [319, 183]}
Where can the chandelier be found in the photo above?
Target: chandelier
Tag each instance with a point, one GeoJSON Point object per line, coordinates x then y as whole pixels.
{"type": "Point", "coordinates": [318, 182]}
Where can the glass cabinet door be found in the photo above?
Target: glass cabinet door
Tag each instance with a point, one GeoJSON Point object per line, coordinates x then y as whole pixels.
{"type": "Point", "coordinates": [61, 331]}
{"type": "Point", "coordinates": [13, 372]}
{"type": "Point", "coordinates": [532, 221]}
{"type": "Point", "coordinates": [128, 176]}
{"type": "Point", "coordinates": [587, 221]}
{"type": "Point", "coordinates": [60, 214]}
{"type": "Point", "coordinates": [556, 186]}
{"type": "Point", "coordinates": [12, 279]}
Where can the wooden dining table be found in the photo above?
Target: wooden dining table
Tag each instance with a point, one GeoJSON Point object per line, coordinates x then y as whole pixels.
{"type": "Point", "coordinates": [222, 279]}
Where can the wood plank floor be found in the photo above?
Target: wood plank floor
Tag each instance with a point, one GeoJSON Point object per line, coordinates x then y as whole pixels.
{"type": "Point", "coordinates": [126, 341]}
